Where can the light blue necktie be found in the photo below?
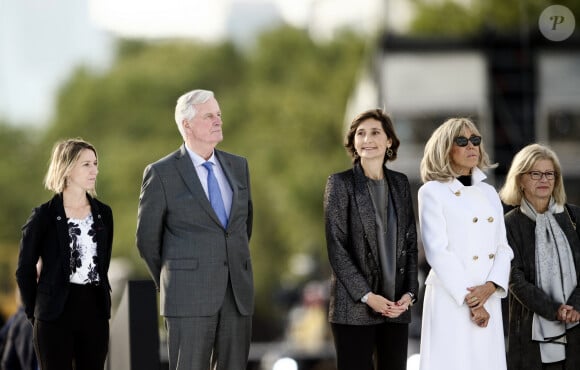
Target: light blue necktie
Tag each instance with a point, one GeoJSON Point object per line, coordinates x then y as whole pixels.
{"type": "Point", "coordinates": [215, 195]}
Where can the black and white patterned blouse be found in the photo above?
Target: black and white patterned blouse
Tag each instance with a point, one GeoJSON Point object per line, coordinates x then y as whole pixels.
{"type": "Point", "coordinates": [83, 251]}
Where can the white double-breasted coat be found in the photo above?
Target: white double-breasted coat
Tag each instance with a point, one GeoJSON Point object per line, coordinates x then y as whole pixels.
{"type": "Point", "coordinates": [463, 234]}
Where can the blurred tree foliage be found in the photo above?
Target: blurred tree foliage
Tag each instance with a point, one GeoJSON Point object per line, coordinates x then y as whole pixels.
{"type": "Point", "coordinates": [453, 17]}
{"type": "Point", "coordinates": [283, 104]}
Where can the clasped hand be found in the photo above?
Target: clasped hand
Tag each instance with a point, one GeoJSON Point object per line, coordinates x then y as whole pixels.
{"type": "Point", "coordinates": [475, 300]}
{"type": "Point", "coordinates": [388, 308]}
{"type": "Point", "coordinates": [568, 314]}
{"type": "Point", "coordinates": [480, 316]}
{"type": "Point", "coordinates": [479, 294]}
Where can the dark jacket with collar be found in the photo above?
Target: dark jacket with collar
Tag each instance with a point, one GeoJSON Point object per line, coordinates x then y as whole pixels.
{"type": "Point", "coordinates": [526, 298]}
{"type": "Point", "coordinates": [45, 235]}
{"type": "Point", "coordinates": [351, 239]}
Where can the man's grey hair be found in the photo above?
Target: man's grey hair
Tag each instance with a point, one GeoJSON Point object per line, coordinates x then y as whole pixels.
{"type": "Point", "coordinates": [185, 110]}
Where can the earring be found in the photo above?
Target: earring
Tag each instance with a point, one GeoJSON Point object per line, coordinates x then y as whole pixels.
{"type": "Point", "coordinates": [389, 152]}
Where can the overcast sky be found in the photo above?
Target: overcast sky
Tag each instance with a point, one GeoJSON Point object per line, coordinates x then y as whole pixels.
{"type": "Point", "coordinates": [201, 19]}
{"type": "Point", "coordinates": [42, 41]}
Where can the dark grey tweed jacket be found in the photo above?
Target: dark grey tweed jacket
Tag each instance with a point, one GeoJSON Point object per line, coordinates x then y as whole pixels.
{"type": "Point", "coordinates": [525, 297]}
{"type": "Point", "coordinates": [351, 240]}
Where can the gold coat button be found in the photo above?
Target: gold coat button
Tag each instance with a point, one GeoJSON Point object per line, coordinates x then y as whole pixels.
{"type": "Point", "coordinates": [491, 256]}
{"type": "Point", "coordinates": [475, 258]}
{"type": "Point", "coordinates": [490, 219]}
{"type": "Point", "coordinates": [475, 219]}
{"type": "Point", "coordinates": [457, 193]}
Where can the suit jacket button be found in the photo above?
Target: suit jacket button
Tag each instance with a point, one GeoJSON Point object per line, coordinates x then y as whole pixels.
{"type": "Point", "coordinates": [401, 270]}
{"type": "Point", "coordinates": [58, 218]}
{"type": "Point", "coordinates": [475, 258]}
{"type": "Point", "coordinates": [490, 219]}
{"type": "Point", "coordinates": [225, 263]}
{"type": "Point", "coordinates": [475, 219]}
{"type": "Point", "coordinates": [491, 256]}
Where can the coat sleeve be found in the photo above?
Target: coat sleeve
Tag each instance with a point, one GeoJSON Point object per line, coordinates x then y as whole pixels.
{"type": "Point", "coordinates": [150, 216]}
{"type": "Point", "coordinates": [336, 213]}
{"type": "Point", "coordinates": [500, 270]}
{"type": "Point", "coordinates": [574, 214]}
{"type": "Point", "coordinates": [30, 245]}
{"type": "Point", "coordinates": [411, 268]}
{"type": "Point", "coordinates": [446, 264]}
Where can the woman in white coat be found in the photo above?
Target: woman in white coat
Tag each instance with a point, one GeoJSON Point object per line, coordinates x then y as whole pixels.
{"type": "Point", "coordinates": [463, 233]}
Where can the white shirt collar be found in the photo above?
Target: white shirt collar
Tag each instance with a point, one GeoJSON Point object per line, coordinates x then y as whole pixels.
{"type": "Point", "coordinates": [199, 160]}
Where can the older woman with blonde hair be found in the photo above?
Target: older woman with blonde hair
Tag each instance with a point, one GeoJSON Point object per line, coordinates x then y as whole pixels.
{"type": "Point", "coordinates": [544, 292]}
{"type": "Point", "coordinates": [463, 233]}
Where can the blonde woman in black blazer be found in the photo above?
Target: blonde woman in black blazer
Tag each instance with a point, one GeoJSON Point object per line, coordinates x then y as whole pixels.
{"type": "Point", "coordinates": [69, 301]}
{"type": "Point", "coordinates": [372, 247]}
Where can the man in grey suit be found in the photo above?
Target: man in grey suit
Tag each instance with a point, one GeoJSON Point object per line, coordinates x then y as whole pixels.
{"type": "Point", "coordinates": [193, 231]}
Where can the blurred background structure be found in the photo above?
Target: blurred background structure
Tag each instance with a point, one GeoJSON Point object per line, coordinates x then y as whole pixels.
{"type": "Point", "coordinates": [289, 75]}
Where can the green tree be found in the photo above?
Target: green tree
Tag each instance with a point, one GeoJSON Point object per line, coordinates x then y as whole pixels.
{"type": "Point", "coordinates": [453, 18]}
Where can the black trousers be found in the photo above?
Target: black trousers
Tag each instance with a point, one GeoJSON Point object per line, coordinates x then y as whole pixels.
{"type": "Point", "coordinates": [561, 365]}
{"type": "Point", "coordinates": [368, 347]}
{"type": "Point", "coordinates": [79, 338]}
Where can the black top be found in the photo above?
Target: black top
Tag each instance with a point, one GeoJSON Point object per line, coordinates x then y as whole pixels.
{"type": "Point", "coordinates": [465, 180]}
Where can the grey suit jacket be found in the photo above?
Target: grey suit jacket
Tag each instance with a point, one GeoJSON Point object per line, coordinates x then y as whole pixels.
{"type": "Point", "coordinates": [188, 252]}
{"type": "Point", "coordinates": [351, 239]}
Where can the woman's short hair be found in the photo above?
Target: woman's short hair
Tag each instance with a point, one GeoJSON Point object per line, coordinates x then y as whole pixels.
{"type": "Point", "coordinates": [65, 155]}
{"type": "Point", "coordinates": [387, 124]}
{"type": "Point", "coordinates": [511, 192]}
{"type": "Point", "coordinates": [185, 110]}
{"type": "Point", "coordinates": [436, 162]}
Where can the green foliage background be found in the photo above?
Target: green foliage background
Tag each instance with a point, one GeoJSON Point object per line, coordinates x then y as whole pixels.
{"type": "Point", "coordinates": [283, 105]}
{"type": "Point", "coordinates": [459, 18]}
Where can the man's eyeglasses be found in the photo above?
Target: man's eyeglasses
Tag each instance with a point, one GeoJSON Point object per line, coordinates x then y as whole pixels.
{"type": "Point", "coordinates": [463, 141]}
{"type": "Point", "coordinates": [537, 175]}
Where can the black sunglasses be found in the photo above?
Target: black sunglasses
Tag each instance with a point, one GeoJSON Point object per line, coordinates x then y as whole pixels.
{"type": "Point", "coordinates": [463, 141]}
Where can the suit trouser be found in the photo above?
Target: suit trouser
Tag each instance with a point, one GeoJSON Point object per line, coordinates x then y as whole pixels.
{"type": "Point", "coordinates": [80, 336]}
{"type": "Point", "coordinates": [358, 346]}
{"type": "Point", "coordinates": [221, 341]}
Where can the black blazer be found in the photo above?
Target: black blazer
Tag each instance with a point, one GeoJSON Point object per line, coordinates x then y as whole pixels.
{"type": "Point", "coordinates": [45, 235]}
{"type": "Point", "coordinates": [351, 239]}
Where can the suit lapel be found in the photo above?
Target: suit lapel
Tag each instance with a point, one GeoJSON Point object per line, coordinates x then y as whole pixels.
{"type": "Point", "coordinates": [230, 174]}
{"type": "Point", "coordinates": [365, 209]}
{"type": "Point", "coordinates": [395, 209]}
{"type": "Point", "coordinates": [189, 176]}
{"type": "Point", "coordinates": [62, 233]}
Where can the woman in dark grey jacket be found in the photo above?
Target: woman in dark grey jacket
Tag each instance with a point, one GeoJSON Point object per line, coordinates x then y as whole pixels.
{"type": "Point", "coordinates": [372, 247]}
{"type": "Point", "coordinates": [544, 291]}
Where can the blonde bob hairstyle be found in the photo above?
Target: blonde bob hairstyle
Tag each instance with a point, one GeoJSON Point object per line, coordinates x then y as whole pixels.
{"type": "Point", "coordinates": [511, 193]}
{"type": "Point", "coordinates": [436, 162]}
{"type": "Point", "coordinates": [65, 155]}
